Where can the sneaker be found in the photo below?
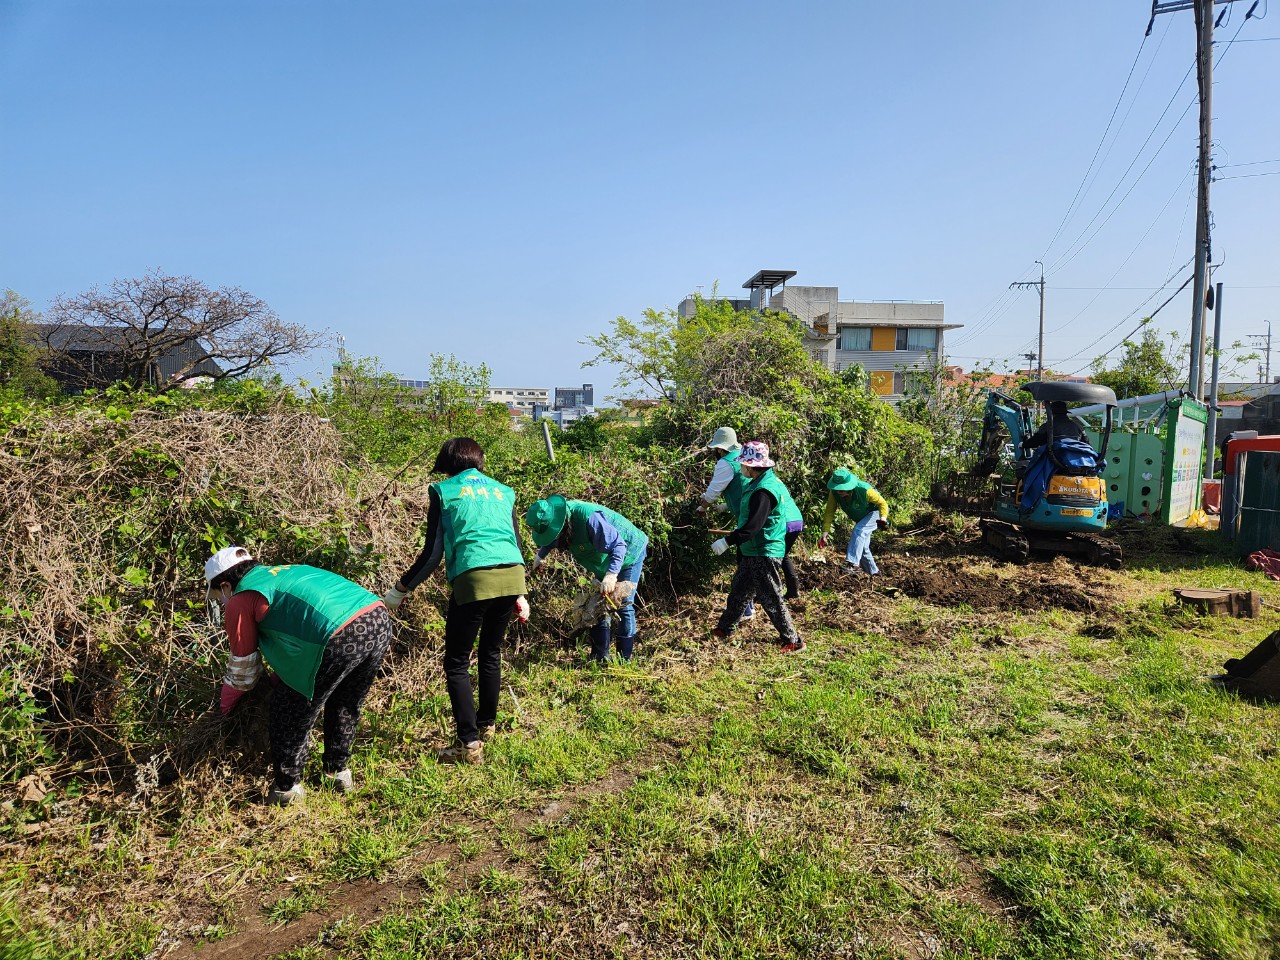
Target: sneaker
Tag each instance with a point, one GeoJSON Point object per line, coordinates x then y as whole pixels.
{"type": "Point", "coordinates": [457, 752]}
{"type": "Point", "coordinates": [719, 634]}
{"type": "Point", "coordinates": [340, 782]}
{"type": "Point", "coordinates": [749, 615]}
{"type": "Point", "coordinates": [282, 798]}
{"type": "Point", "coordinates": [794, 647]}
{"type": "Point", "coordinates": [488, 732]}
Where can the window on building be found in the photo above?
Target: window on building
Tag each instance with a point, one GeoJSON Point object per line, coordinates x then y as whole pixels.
{"type": "Point", "coordinates": [855, 338]}
{"type": "Point", "coordinates": [906, 380]}
{"type": "Point", "coordinates": [917, 338]}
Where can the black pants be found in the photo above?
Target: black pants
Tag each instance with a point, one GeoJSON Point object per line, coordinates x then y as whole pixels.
{"type": "Point", "coordinates": [489, 619]}
{"type": "Point", "coordinates": [759, 578]}
{"type": "Point", "coordinates": [351, 661]}
{"type": "Point", "coordinates": [789, 567]}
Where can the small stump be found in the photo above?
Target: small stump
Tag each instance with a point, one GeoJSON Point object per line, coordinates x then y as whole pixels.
{"type": "Point", "coordinates": [1221, 603]}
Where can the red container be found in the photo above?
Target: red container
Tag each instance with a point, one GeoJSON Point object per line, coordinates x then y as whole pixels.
{"type": "Point", "coordinates": [1231, 461]}
{"type": "Point", "coordinates": [1212, 497]}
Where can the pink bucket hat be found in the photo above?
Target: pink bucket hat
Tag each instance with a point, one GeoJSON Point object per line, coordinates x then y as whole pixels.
{"type": "Point", "coordinates": [755, 454]}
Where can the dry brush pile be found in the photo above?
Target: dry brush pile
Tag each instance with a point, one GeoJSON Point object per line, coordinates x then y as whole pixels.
{"type": "Point", "coordinates": [107, 646]}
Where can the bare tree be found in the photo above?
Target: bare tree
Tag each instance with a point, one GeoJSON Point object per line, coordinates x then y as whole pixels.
{"type": "Point", "coordinates": [163, 330]}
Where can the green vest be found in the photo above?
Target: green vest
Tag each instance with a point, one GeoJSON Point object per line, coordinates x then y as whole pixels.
{"type": "Point", "coordinates": [584, 550]}
{"type": "Point", "coordinates": [790, 512]}
{"type": "Point", "coordinates": [771, 541]}
{"type": "Point", "coordinates": [856, 507]}
{"type": "Point", "coordinates": [307, 606]}
{"type": "Point", "coordinates": [733, 492]}
{"type": "Point", "coordinates": [476, 513]}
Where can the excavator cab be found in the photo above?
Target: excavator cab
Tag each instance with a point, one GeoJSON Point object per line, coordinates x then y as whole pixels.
{"type": "Point", "coordinates": [1049, 495]}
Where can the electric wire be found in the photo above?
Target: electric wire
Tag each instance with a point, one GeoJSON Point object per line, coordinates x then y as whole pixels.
{"type": "Point", "coordinates": [1069, 255]}
{"type": "Point", "coordinates": [1098, 149]}
{"type": "Point", "coordinates": [1125, 261]}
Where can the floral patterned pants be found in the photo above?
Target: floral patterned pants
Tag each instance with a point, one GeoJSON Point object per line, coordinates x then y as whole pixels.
{"type": "Point", "coordinates": [350, 663]}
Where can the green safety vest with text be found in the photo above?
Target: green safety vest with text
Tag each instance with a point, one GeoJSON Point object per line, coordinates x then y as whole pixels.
{"type": "Point", "coordinates": [584, 550]}
{"type": "Point", "coordinates": [771, 541]}
{"type": "Point", "coordinates": [856, 507]}
{"type": "Point", "coordinates": [475, 511]}
{"type": "Point", "coordinates": [306, 607]}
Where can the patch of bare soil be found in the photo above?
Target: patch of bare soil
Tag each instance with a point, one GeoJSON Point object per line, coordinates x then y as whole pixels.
{"type": "Point", "coordinates": [973, 583]}
{"type": "Point", "coordinates": [256, 938]}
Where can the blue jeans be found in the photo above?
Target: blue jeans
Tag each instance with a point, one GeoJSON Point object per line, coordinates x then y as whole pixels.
{"type": "Point", "coordinates": [859, 552]}
{"type": "Point", "coordinates": [601, 633]}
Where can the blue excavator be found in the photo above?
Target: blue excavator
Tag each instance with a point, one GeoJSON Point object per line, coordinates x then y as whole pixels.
{"type": "Point", "coordinates": [1042, 491]}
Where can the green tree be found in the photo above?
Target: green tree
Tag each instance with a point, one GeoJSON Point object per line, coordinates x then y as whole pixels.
{"type": "Point", "coordinates": [1147, 365]}
{"type": "Point", "coordinates": [950, 408]}
{"type": "Point", "coordinates": [19, 356]}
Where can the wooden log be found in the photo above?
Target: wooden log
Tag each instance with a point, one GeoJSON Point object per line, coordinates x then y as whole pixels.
{"type": "Point", "coordinates": [1221, 603]}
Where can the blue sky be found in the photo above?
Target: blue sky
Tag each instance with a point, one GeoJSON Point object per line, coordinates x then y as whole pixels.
{"type": "Point", "coordinates": [498, 180]}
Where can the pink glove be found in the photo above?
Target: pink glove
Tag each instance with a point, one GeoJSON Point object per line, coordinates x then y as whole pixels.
{"type": "Point", "coordinates": [229, 698]}
{"type": "Point", "coordinates": [822, 542]}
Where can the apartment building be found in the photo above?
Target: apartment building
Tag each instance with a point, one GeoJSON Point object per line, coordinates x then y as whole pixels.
{"type": "Point", "coordinates": [889, 339]}
{"type": "Point", "coordinates": [521, 399]}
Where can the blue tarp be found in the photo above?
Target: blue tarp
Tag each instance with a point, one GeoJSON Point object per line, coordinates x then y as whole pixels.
{"type": "Point", "coordinates": [1077, 458]}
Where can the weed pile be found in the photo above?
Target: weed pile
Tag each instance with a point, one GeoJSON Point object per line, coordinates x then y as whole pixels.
{"type": "Point", "coordinates": [107, 524]}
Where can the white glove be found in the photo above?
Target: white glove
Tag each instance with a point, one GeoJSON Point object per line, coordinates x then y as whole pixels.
{"type": "Point", "coordinates": [522, 609]}
{"type": "Point", "coordinates": [702, 508]}
{"type": "Point", "coordinates": [536, 565]}
{"type": "Point", "coordinates": [722, 507]}
{"type": "Point", "coordinates": [394, 598]}
{"type": "Point", "coordinates": [607, 583]}
{"type": "Point", "coordinates": [720, 546]}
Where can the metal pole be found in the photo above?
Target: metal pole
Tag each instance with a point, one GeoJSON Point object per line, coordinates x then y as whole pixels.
{"type": "Point", "coordinates": [1211, 431]}
{"type": "Point", "coordinates": [1040, 355]}
{"type": "Point", "coordinates": [546, 437]}
{"type": "Point", "coordinates": [1204, 63]}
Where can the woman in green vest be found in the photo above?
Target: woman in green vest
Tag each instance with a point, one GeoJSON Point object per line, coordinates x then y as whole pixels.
{"type": "Point", "coordinates": [324, 636]}
{"type": "Point", "coordinates": [862, 504]}
{"type": "Point", "coordinates": [726, 482]}
{"type": "Point", "coordinates": [473, 526]}
{"type": "Point", "coordinates": [607, 544]}
{"type": "Point", "coordinates": [761, 538]}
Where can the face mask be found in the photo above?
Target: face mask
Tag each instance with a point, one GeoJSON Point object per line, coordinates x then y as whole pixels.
{"type": "Point", "coordinates": [215, 602]}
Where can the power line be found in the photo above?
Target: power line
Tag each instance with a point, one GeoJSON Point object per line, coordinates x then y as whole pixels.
{"type": "Point", "coordinates": [1125, 261]}
{"type": "Point", "coordinates": [1145, 321]}
{"type": "Point", "coordinates": [1098, 149]}
{"type": "Point", "coordinates": [1064, 259]}
{"type": "Point", "coordinates": [1067, 257]}
{"type": "Point", "coordinates": [1245, 176]}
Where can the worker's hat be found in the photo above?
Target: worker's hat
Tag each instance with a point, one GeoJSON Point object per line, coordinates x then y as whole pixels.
{"type": "Point", "coordinates": [224, 560]}
{"type": "Point", "coordinates": [546, 519]}
{"type": "Point", "coordinates": [755, 454]}
{"type": "Point", "coordinates": [726, 439]}
{"type": "Point", "coordinates": [842, 479]}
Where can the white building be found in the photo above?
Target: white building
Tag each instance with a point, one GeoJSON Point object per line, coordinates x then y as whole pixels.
{"type": "Point", "coordinates": [888, 338]}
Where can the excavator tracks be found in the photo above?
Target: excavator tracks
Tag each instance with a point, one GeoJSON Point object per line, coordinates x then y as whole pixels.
{"type": "Point", "coordinates": [1015, 544]}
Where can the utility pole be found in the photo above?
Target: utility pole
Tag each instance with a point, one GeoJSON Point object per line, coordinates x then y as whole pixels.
{"type": "Point", "coordinates": [1204, 75]}
{"type": "Point", "coordinates": [1258, 341]}
{"type": "Point", "coordinates": [1211, 428]}
{"type": "Point", "coordinates": [1022, 285]}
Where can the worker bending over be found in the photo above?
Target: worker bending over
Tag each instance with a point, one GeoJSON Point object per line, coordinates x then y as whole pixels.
{"type": "Point", "coordinates": [761, 541]}
{"type": "Point", "coordinates": [608, 545]}
{"type": "Point", "coordinates": [863, 505]}
{"type": "Point", "coordinates": [324, 636]}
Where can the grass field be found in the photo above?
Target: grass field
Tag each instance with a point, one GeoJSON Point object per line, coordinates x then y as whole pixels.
{"type": "Point", "coordinates": [931, 778]}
